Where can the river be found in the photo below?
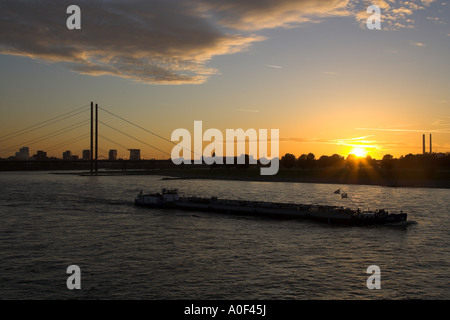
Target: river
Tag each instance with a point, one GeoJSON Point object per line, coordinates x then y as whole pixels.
{"type": "Point", "coordinates": [51, 221]}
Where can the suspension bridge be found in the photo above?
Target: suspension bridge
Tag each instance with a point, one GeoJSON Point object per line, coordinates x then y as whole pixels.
{"type": "Point", "coordinates": [80, 126]}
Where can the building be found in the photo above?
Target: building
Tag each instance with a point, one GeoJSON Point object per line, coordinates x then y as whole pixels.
{"type": "Point", "coordinates": [23, 154]}
{"type": "Point", "coordinates": [135, 154]}
{"type": "Point", "coordinates": [86, 155]}
{"type": "Point", "coordinates": [40, 156]}
{"type": "Point", "coordinates": [112, 155]}
{"type": "Point", "coordinates": [67, 155]}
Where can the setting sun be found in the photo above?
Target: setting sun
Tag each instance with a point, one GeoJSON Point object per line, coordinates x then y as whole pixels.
{"type": "Point", "coordinates": [359, 152]}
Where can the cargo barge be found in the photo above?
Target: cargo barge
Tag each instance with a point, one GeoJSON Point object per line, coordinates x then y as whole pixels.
{"type": "Point", "coordinates": [170, 199]}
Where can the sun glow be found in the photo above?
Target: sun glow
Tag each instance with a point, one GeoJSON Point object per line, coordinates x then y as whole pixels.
{"type": "Point", "coordinates": [359, 152]}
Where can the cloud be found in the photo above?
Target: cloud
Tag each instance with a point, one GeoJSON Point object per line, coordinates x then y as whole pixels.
{"type": "Point", "coordinates": [156, 41]}
{"type": "Point", "coordinates": [419, 44]}
{"type": "Point", "coordinates": [159, 41]}
{"type": "Point", "coordinates": [427, 2]}
{"type": "Point", "coordinates": [356, 142]}
{"type": "Point", "coordinates": [445, 121]}
{"type": "Point", "coordinates": [273, 66]}
{"type": "Point", "coordinates": [348, 142]}
{"type": "Point", "coordinates": [162, 41]}
{"type": "Point", "coordinates": [444, 130]}
{"type": "Point", "coordinates": [358, 138]}
{"type": "Point", "coordinates": [294, 139]}
{"type": "Point", "coordinates": [265, 14]}
{"type": "Point", "coordinates": [395, 14]}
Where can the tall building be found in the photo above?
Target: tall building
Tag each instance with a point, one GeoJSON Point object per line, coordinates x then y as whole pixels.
{"type": "Point", "coordinates": [112, 155]}
{"type": "Point", "coordinates": [23, 154]}
{"type": "Point", "coordinates": [67, 155]}
{"type": "Point", "coordinates": [40, 156]}
{"type": "Point", "coordinates": [86, 154]}
{"type": "Point", "coordinates": [135, 154]}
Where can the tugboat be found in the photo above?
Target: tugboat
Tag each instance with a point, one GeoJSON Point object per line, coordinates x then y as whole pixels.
{"type": "Point", "coordinates": [170, 199]}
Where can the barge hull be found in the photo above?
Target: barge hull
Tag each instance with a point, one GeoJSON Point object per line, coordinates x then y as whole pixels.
{"type": "Point", "coordinates": [276, 213]}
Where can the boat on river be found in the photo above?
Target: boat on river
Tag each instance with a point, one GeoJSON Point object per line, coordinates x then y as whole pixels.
{"type": "Point", "coordinates": [171, 199]}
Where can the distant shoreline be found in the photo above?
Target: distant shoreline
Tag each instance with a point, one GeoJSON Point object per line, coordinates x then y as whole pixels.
{"type": "Point", "coordinates": [386, 183]}
{"type": "Point", "coordinates": [400, 178]}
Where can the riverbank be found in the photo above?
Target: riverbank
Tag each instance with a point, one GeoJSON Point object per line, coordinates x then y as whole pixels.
{"type": "Point", "coordinates": [366, 176]}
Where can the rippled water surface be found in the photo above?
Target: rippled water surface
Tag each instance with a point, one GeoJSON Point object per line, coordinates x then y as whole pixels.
{"type": "Point", "coordinates": [52, 221]}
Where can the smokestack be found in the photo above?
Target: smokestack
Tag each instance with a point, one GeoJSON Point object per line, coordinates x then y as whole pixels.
{"type": "Point", "coordinates": [423, 144]}
{"type": "Point", "coordinates": [431, 149]}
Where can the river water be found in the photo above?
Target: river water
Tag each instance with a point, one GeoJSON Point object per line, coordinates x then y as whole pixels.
{"type": "Point", "coordinates": [51, 221]}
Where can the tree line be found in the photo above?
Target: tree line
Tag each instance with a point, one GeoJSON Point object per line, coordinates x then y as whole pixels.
{"type": "Point", "coordinates": [308, 161]}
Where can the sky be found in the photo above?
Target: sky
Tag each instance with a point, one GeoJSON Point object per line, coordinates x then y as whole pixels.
{"type": "Point", "coordinates": [312, 69]}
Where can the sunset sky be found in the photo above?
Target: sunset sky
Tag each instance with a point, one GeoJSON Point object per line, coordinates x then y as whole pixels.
{"type": "Point", "coordinates": [311, 69]}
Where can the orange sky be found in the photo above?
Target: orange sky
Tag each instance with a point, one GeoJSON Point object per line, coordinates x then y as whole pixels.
{"type": "Point", "coordinates": [311, 69]}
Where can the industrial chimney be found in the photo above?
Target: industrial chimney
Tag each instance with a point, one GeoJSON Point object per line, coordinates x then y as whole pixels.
{"type": "Point", "coordinates": [423, 144]}
{"type": "Point", "coordinates": [431, 149]}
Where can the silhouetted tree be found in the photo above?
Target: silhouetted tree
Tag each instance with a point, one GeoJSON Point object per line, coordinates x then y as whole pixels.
{"type": "Point", "coordinates": [310, 160]}
{"type": "Point", "coordinates": [310, 157]}
{"type": "Point", "coordinates": [288, 160]}
{"type": "Point", "coordinates": [367, 162]}
{"type": "Point", "coordinates": [336, 160]}
{"type": "Point", "coordinates": [407, 161]}
{"type": "Point", "coordinates": [324, 161]}
{"type": "Point", "coordinates": [387, 162]}
{"type": "Point", "coordinates": [301, 161]}
{"type": "Point", "coordinates": [350, 162]}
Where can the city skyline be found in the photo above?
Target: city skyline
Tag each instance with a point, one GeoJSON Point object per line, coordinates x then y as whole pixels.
{"type": "Point", "coordinates": [311, 69]}
{"type": "Point", "coordinates": [135, 154]}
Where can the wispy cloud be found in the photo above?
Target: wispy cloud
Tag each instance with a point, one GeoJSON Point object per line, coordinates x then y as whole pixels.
{"type": "Point", "coordinates": [427, 2]}
{"type": "Point", "coordinates": [407, 130]}
{"type": "Point", "coordinates": [302, 140]}
{"type": "Point", "coordinates": [435, 19]}
{"type": "Point", "coordinates": [273, 66]}
{"type": "Point", "coordinates": [358, 138]}
{"type": "Point", "coordinates": [442, 122]}
{"type": "Point", "coordinates": [266, 14]}
{"type": "Point", "coordinates": [357, 142]}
